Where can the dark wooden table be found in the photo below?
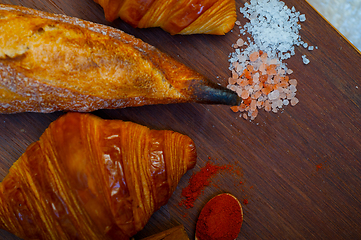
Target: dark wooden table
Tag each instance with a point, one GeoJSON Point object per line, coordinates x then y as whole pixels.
{"type": "Point", "coordinates": [300, 169]}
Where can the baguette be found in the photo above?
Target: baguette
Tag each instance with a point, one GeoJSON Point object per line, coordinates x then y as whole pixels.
{"type": "Point", "coordinates": [51, 62]}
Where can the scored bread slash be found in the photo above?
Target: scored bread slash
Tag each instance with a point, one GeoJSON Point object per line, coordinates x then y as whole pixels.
{"type": "Point", "coordinates": [259, 75]}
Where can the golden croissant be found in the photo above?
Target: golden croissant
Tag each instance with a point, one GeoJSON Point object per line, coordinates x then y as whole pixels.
{"type": "Point", "coordinates": [89, 178]}
{"type": "Point", "coordinates": [174, 16]}
{"type": "Point", "coordinates": [52, 62]}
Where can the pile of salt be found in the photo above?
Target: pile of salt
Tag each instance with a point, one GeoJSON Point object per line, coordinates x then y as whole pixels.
{"type": "Point", "coordinates": [275, 31]}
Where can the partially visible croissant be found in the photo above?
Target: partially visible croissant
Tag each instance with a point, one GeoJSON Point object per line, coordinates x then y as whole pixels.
{"type": "Point", "coordinates": [51, 62]}
{"type": "Point", "coordinates": [89, 178]}
{"type": "Point", "coordinates": [174, 16]}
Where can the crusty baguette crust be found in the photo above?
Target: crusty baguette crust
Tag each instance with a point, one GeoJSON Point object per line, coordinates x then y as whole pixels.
{"type": "Point", "coordinates": [53, 62]}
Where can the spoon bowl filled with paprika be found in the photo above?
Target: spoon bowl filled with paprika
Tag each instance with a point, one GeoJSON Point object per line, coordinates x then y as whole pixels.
{"type": "Point", "coordinates": [220, 219]}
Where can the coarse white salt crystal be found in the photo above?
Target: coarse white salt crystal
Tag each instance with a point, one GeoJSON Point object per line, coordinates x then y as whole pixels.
{"type": "Point", "coordinates": [256, 77]}
{"type": "Point", "coordinates": [291, 95]}
{"type": "Point", "coordinates": [305, 45]}
{"type": "Point", "coordinates": [279, 103]}
{"type": "Point", "coordinates": [310, 48]}
{"type": "Point", "coordinates": [287, 56]}
{"type": "Point", "coordinates": [286, 90]}
{"type": "Point", "coordinates": [302, 17]}
{"type": "Point", "coordinates": [289, 71]}
{"type": "Point", "coordinates": [273, 26]}
{"type": "Point", "coordinates": [242, 58]}
{"type": "Point", "coordinates": [305, 59]}
{"type": "Point", "coordinates": [274, 95]}
{"type": "Point", "coordinates": [293, 88]}
{"type": "Point", "coordinates": [274, 105]}
{"type": "Point", "coordinates": [286, 102]}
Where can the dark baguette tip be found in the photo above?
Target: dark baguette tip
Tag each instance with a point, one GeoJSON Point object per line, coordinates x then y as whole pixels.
{"type": "Point", "coordinates": [215, 94]}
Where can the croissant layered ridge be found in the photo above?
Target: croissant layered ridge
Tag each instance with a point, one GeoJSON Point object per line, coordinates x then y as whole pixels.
{"type": "Point", "coordinates": [52, 62]}
{"type": "Point", "coordinates": [89, 178]}
{"type": "Point", "coordinates": [174, 16]}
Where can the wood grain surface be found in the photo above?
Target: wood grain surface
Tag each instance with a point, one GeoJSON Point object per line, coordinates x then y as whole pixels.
{"type": "Point", "coordinates": [300, 169]}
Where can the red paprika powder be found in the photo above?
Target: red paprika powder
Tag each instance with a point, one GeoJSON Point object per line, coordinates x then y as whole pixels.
{"type": "Point", "coordinates": [220, 219]}
{"type": "Point", "coordinates": [198, 182]}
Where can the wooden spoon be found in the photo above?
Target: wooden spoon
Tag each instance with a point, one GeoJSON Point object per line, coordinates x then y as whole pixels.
{"type": "Point", "coordinates": [227, 207]}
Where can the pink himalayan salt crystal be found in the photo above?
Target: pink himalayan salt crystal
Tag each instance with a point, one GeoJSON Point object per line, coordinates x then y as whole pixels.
{"type": "Point", "coordinates": [294, 101]}
{"type": "Point", "coordinates": [264, 57]}
{"type": "Point", "coordinates": [253, 105]}
{"type": "Point", "coordinates": [254, 114]}
{"type": "Point", "coordinates": [267, 106]}
{"type": "Point", "coordinates": [254, 56]}
{"type": "Point", "coordinates": [240, 42]}
{"type": "Point", "coordinates": [293, 82]}
{"type": "Point", "coordinates": [245, 94]}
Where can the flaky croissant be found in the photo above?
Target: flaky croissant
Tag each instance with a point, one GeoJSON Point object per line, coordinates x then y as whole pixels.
{"type": "Point", "coordinates": [174, 16]}
{"type": "Point", "coordinates": [89, 178]}
{"type": "Point", "coordinates": [52, 62]}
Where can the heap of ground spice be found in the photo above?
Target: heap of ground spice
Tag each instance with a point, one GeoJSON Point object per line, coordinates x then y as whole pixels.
{"type": "Point", "coordinates": [220, 219]}
{"type": "Point", "coordinates": [198, 182]}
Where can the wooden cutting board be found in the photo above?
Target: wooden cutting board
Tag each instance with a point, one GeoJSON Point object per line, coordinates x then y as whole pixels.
{"type": "Point", "coordinates": [300, 169]}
